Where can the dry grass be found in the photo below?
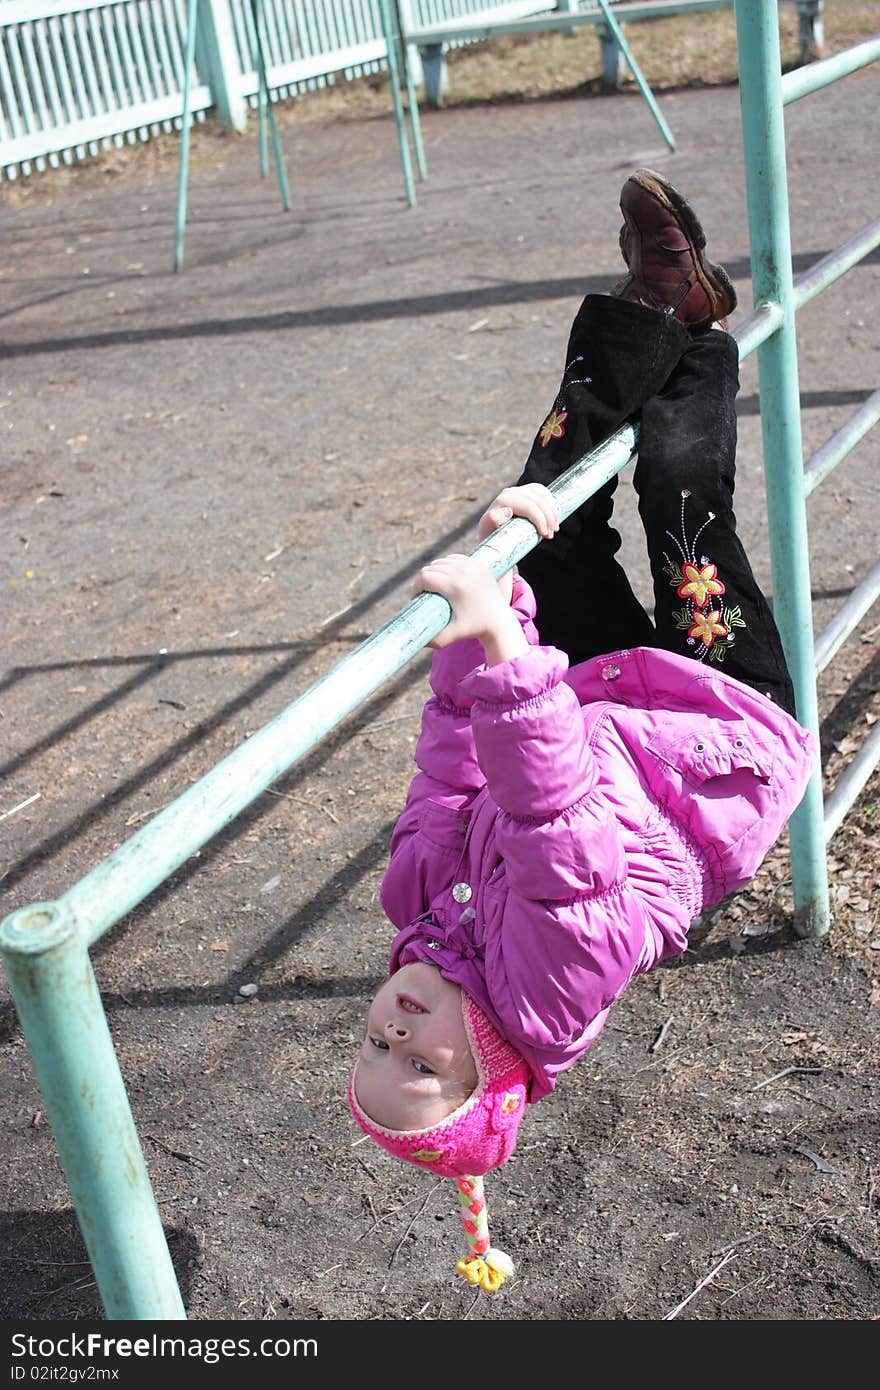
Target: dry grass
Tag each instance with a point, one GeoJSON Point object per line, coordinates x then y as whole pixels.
{"type": "Point", "coordinates": [687, 51]}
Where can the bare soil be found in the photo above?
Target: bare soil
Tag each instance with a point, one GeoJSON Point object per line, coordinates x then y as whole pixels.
{"type": "Point", "coordinates": [217, 483]}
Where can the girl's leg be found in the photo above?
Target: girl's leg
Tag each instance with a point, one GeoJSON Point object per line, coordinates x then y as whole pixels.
{"type": "Point", "coordinates": [619, 355]}
{"type": "Point", "coordinates": [707, 601]}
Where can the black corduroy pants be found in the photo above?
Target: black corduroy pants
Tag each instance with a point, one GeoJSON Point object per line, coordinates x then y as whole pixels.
{"type": "Point", "coordinates": [628, 362]}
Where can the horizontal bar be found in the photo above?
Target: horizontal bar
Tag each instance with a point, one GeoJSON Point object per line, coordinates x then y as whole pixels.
{"type": "Point", "coordinates": [759, 326]}
{"type": "Point", "coordinates": [835, 449]}
{"type": "Point", "coordinates": [823, 273]}
{"type": "Point", "coordinates": [810, 78]}
{"type": "Point", "coordinates": [451, 31]}
{"type": "Point", "coordinates": [150, 856]}
{"type": "Point", "coordinates": [847, 617]}
{"type": "Point", "coordinates": [145, 860]}
{"type": "Point", "coordinates": [851, 783]}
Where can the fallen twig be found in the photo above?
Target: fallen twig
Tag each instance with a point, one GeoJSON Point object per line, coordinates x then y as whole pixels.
{"type": "Point", "coordinates": [21, 805]}
{"type": "Point", "coordinates": [176, 1153]}
{"type": "Point", "coordinates": [820, 1162]}
{"type": "Point", "coordinates": [396, 1250]}
{"type": "Point", "coordinates": [333, 616]}
{"type": "Point", "coordinates": [471, 1308]}
{"type": "Point", "coordinates": [743, 1240]}
{"type": "Point", "coordinates": [385, 723]}
{"type": "Point", "coordinates": [658, 1041]}
{"type": "Point", "coordinates": [787, 1071]}
{"type": "Point", "coordinates": [288, 796]}
{"type": "Point", "coordinates": [667, 1317]}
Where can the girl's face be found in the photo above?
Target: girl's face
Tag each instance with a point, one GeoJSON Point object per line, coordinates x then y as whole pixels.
{"type": "Point", "coordinates": [415, 1065]}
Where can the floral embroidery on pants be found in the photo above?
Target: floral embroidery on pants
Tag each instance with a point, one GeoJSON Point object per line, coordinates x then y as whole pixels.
{"type": "Point", "coordinates": [706, 618]}
{"type": "Point", "coordinates": [554, 426]}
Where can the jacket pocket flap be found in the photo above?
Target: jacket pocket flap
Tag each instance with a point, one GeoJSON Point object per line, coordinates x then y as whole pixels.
{"type": "Point", "coordinates": [445, 826]}
{"type": "Point", "coordinates": [713, 748]}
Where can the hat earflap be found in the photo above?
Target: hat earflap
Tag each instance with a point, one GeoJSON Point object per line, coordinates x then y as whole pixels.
{"type": "Point", "coordinates": [485, 1266]}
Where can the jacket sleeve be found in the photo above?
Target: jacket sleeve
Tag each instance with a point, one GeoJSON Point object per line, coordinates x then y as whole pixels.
{"type": "Point", "coordinates": [565, 931]}
{"type": "Point", "coordinates": [427, 840]}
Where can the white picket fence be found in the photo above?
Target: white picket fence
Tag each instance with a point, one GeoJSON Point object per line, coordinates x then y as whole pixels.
{"type": "Point", "coordinates": [80, 76]}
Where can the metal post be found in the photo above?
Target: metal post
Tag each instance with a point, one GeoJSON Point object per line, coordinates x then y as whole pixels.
{"type": "Point", "coordinates": [811, 29]}
{"type": "Point", "coordinates": [615, 29]}
{"type": "Point", "coordinates": [610, 55]}
{"type": "Point", "coordinates": [412, 100]}
{"type": "Point", "coordinates": [434, 74]}
{"type": "Point", "coordinates": [394, 78]}
{"type": "Point", "coordinates": [57, 999]}
{"type": "Point", "coordinates": [265, 110]}
{"type": "Point", "coordinates": [757, 26]}
{"type": "Point", "coordinates": [192, 16]}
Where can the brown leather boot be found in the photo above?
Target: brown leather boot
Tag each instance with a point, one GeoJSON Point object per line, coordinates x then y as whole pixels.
{"type": "Point", "coordinates": [662, 242]}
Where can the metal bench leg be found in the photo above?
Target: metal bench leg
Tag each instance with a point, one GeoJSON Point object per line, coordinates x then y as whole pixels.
{"type": "Point", "coordinates": [812, 29]}
{"type": "Point", "coordinates": [434, 73]}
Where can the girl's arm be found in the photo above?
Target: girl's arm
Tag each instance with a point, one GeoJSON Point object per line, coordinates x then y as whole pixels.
{"type": "Point", "coordinates": [438, 804]}
{"type": "Point", "coordinates": [480, 604]}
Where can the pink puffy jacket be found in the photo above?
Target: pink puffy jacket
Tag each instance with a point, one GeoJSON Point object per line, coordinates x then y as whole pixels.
{"type": "Point", "coordinates": [567, 826]}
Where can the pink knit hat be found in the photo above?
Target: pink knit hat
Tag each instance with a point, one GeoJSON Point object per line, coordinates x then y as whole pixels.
{"type": "Point", "coordinates": [479, 1135]}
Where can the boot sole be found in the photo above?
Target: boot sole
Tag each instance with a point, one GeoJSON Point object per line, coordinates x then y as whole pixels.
{"type": "Point", "coordinates": [714, 278]}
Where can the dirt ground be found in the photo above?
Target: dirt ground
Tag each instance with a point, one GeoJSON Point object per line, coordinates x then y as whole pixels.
{"type": "Point", "coordinates": [218, 483]}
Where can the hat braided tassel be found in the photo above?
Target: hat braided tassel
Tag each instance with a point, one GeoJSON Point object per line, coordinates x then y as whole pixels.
{"type": "Point", "coordinates": [484, 1266]}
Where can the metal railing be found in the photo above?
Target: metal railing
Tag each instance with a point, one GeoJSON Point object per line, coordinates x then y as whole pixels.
{"type": "Point", "coordinates": [764, 92]}
{"type": "Point", "coordinates": [45, 946]}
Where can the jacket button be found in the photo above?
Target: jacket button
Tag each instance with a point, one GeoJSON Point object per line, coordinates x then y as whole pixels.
{"type": "Point", "coordinates": [462, 892]}
{"type": "Point", "coordinates": [433, 945]}
{"type": "Point", "coordinates": [610, 672]}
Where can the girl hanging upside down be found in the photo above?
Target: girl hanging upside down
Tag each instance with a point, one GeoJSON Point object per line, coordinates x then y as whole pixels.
{"type": "Point", "coordinates": [581, 798]}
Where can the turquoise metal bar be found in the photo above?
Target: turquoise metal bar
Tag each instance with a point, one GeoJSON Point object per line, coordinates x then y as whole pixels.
{"type": "Point", "coordinates": [757, 27]}
{"type": "Point", "coordinates": [835, 264]}
{"type": "Point", "coordinates": [564, 21]}
{"type": "Point", "coordinates": [826, 459]}
{"type": "Point", "coordinates": [145, 860]}
{"type": "Point", "coordinates": [262, 92]}
{"type": "Point", "coordinates": [192, 19]}
{"type": "Point", "coordinates": [802, 81]}
{"type": "Point", "coordinates": [847, 618]}
{"type": "Point", "coordinates": [397, 104]}
{"type": "Point", "coordinates": [57, 999]}
{"type": "Point", "coordinates": [268, 113]}
{"type": "Point", "coordinates": [851, 783]}
{"type": "Point", "coordinates": [636, 71]}
{"type": "Point", "coordinates": [412, 102]}
{"type": "Point", "coordinates": [450, 31]}
{"type": "Point", "coordinates": [756, 329]}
